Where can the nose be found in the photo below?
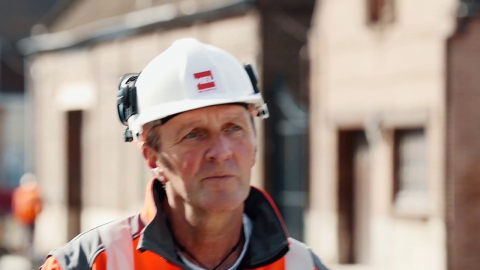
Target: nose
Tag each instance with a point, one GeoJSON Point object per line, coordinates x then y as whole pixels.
{"type": "Point", "coordinates": [219, 150]}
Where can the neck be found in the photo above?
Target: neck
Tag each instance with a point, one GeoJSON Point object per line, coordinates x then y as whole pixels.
{"type": "Point", "coordinates": [209, 237]}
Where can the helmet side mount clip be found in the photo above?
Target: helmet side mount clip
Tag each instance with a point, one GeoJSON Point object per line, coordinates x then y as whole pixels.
{"type": "Point", "coordinates": [263, 110]}
{"type": "Point", "coordinates": [253, 77]}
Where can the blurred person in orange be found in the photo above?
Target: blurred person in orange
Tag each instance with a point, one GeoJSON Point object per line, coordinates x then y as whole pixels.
{"type": "Point", "coordinates": [27, 205]}
{"type": "Point", "coordinates": [191, 112]}
{"type": "Point", "coordinates": [26, 200]}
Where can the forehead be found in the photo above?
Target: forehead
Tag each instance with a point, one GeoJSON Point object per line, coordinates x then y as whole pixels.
{"type": "Point", "coordinates": [209, 114]}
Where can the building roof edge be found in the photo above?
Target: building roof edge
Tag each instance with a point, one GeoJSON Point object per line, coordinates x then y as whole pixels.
{"type": "Point", "coordinates": [128, 25]}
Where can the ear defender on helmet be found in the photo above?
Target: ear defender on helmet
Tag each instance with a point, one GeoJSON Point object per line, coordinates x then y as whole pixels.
{"type": "Point", "coordinates": [127, 101]}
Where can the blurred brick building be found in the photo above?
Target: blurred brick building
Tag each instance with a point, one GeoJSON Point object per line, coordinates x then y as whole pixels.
{"type": "Point", "coordinates": [378, 114]}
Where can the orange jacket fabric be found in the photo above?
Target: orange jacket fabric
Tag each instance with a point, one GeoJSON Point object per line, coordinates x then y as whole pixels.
{"type": "Point", "coordinates": [152, 244]}
{"type": "Point", "coordinates": [153, 262]}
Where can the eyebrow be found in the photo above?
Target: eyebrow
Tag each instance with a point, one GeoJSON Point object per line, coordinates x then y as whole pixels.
{"type": "Point", "coordinates": [187, 125]}
{"type": "Point", "coordinates": [229, 118]}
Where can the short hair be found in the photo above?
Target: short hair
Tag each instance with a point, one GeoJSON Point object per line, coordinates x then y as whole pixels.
{"type": "Point", "coordinates": [153, 138]}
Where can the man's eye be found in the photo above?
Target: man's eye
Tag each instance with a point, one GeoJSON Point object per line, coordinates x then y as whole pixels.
{"type": "Point", "coordinates": [191, 135]}
{"type": "Point", "coordinates": [234, 128]}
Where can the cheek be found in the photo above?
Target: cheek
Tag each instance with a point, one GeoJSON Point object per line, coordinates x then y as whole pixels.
{"type": "Point", "coordinates": [246, 153]}
{"type": "Point", "coordinates": [188, 163]}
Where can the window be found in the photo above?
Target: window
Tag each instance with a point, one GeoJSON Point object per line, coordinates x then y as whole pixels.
{"type": "Point", "coordinates": [411, 183]}
{"type": "Point", "coordinates": [380, 11]}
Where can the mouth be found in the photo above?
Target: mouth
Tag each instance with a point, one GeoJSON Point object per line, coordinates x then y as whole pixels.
{"type": "Point", "coordinates": [219, 177]}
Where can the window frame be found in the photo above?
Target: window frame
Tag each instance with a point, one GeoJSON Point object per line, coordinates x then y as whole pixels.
{"type": "Point", "coordinates": [379, 12]}
{"type": "Point", "coordinates": [402, 200]}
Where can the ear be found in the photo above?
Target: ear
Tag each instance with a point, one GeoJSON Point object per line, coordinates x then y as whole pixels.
{"type": "Point", "coordinates": [150, 156]}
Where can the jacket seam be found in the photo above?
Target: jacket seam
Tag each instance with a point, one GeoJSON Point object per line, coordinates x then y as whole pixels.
{"type": "Point", "coordinates": [95, 255]}
{"type": "Point", "coordinates": [136, 235]}
{"type": "Point", "coordinates": [59, 264]}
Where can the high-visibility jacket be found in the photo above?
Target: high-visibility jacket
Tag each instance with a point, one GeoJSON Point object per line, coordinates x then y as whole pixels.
{"type": "Point", "coordinates": [144, 242]}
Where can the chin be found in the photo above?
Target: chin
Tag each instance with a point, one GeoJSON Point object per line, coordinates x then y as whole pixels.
{"type": "Point", "coordinates": [223, 202]}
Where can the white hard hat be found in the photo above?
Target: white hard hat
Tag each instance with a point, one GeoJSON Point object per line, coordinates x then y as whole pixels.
{"type": "Point", "coordinates": [188, 75]}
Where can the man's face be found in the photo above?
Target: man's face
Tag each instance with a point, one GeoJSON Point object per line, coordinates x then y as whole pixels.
{"type": "Point", "coordinates": [207, 155]}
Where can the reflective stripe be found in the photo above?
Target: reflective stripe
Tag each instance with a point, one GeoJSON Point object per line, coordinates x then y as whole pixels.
{"type": "Point", "coordinates": [298, 257]}
{"type": "Point", "coordinates": [117, 240]}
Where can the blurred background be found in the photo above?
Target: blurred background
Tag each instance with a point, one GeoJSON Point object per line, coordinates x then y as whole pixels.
{"type": "Point", "coordinates": [372, 150]}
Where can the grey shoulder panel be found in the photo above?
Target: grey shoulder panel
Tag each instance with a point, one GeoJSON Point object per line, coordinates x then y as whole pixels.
{"type": "Point", "coordinates": [318, 264]}
{"type": "Point", "coordinates": [81, 252]}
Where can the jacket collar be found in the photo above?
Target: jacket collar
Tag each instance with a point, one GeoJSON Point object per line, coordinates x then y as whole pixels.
{"type": "Point", "coordinates": [268, 242]}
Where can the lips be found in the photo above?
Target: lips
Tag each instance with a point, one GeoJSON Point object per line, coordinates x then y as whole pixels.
{"type": "Point", "coordinates": [219, 177]}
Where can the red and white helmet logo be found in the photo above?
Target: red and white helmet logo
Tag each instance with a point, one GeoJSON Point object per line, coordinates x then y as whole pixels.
{"type": "Point", "coordinates": [205, 81]}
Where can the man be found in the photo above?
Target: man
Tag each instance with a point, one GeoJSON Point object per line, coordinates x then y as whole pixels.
{"type": "Point", "coordinates": [191, 110]}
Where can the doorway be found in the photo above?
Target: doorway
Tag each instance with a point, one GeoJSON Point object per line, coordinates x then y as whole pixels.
{"type": "Point", "coordinates": [74, 172]}
{"type": "Point", "coordinates": [353, 196]}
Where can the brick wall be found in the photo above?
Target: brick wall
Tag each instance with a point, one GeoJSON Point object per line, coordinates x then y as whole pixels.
{"type": "Point", "coordinates": [463, 142]}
